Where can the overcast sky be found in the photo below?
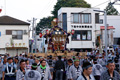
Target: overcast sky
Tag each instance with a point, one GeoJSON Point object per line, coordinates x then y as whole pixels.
{"type": "Point", "coordinates": [26, 9]}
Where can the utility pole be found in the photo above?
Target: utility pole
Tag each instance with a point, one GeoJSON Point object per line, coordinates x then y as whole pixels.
{"type": "Point", "coordinates": [35, 35]}
{"type": "Point", "coordinates": [33, 21]}
{"type": "Point", "coordinates": [106, 37]}
{"type": "Point", "coordinates": [32, 33]}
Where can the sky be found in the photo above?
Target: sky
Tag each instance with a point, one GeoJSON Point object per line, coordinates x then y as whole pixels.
{"type": "Point", "coordinates": [27, 9]}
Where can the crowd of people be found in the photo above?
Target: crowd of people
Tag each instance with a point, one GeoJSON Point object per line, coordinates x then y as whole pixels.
{"type": "Point", "coordinates": [93, 66]}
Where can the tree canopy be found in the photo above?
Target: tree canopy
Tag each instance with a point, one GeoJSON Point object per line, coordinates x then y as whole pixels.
{"type": "Point", "coordinates": [111, 10]}
{"type": "Point", "coordinates": [46, 22]}
{"type": "Point", "coordinates": [69, 3]}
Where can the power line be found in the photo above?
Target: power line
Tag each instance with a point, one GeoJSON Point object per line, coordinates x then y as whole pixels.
{"type": "Point", "coordinates": [45, 7]}
{"type": "Point", "coordinates": [48, 7]}
{"type": "Point", "coordinates": [92, 7]}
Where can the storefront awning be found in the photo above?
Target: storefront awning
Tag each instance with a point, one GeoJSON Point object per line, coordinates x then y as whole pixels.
{"type": "Point", "coordinates": [16, 48]}
{"type": "Point", "coordinates": [109, 27]}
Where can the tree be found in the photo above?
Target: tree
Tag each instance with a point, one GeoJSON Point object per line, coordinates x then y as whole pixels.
{"type": "Point", "coordinates": [69, 3]}
{"type": "Point", "coordinates": [111, 10]}
{"type": "Point", "coordinates": [46, 22]}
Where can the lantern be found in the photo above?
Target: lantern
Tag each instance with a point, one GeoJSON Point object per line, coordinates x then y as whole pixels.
{"type": "Point", "coordinates": [73, 31]}
{"type": "Point", "coordinates": [55, 20]}
{"type": "Point", "coordinates": [47, 31]}
{"type": "Point", "coordinates": [40, 35]}
{"type": "Point", "coordinates": [0, 10]}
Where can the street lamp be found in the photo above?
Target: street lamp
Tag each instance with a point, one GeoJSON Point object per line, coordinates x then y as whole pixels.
{"type": "Point", "coordinates": [105, 23]}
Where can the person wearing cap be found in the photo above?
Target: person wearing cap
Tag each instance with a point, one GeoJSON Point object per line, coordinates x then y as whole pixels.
{"type": "Point", "coordinates": [21, 72]}
{"type": "Point", "coordinates": [32, 74]}
{"type": "Point", "coordinates": [97, 69]}
{"type": "Point", "coordinates": [37, 61]}
{"type": "Point", "coordinates": [110, 73]}
{"type": "Point", "coordinates": [70, 63]}
{"type": "Point", "coordinates": [87, 70]}
{"type": "Point", "coordinates": [44, 71]}
{"type": "Point", "coordinates": [1, 66]}
{"type": "Point", "coordinates": [75, 70]}
{"type": "Point", "coordinates": [59, 69]}
{"type": "Point", "coordinates": [9, 70]}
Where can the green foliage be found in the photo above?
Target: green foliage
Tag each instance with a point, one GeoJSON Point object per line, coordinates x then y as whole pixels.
{"type": "Point", "coordinates": [69, 3]}
{"type": "Point", "coordinates": [46, 22]}
{"type": "Point", "coordinates": [111, 10]}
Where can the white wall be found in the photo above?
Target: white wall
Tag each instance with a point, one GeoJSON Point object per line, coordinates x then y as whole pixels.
{"type": "Point", "coordinates": [6, 38]}
{"type": "Point", "coordinates": [80, 44]}
{"type": "Point", "coordinates": [113, 20]}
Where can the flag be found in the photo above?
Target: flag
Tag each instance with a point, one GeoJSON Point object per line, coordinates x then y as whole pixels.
{"type": "Point", "coordinates": [0, 34]}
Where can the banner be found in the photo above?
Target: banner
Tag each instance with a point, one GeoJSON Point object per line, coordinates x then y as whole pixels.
{"type": "Point", "coordinates": [0, 34]}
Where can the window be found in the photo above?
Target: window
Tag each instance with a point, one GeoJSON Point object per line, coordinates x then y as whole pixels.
{"type": "Point", "coordinates": [76, 36]}
{"type": "Point", "coordinates": [75, 18]}
{"type": "Point", "coordinates": [86, 18]}
{"type": "Point", "coordinates": [8, 32]}
{"type": "Point", "coordinates": [81, 18]}
{"type": "Point", "coordinates": [117, 41]}
{"type": "Point", "coordinates": [82, 35]}
{"type": "Point", "coordinates": [89, 35]}
{"type": "Point", "coordinates": [101, 21]}
{"type": "Point", "coordinates": [17, 34]}
{"type": "Point", "coordinates": [65, 21]}
{"type": "Point", "coordinates": [96, 17]}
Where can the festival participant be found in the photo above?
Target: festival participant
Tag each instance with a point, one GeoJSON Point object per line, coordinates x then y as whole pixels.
{"type": "Point", "coordinates": [75, 70]}
{"type": "Point", "coordinates": [44, 71]}
{"type": "Point", "coordinates": [9, 70]}
{"type": "Point", "coordinates": [1, 66]}
{"type": "Point", "coordinates": [28, 66]}
{"type": "Point", "coordinates": [70, 63]}
{"type": "Point", "coordinates": [97, 70]}
{"type": "Point", "coordinates": [59, 69]}
{"type": "Point", "coordinates": [33, 74]}
{"type": "Point", "coordinates": [21, 72]}
{"type": "Point", "coordinates": [87, 70]}
{"type": "Point", "coordinates": [110, 73]}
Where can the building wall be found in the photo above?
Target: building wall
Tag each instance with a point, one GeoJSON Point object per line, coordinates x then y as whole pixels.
{"type": "Point", "coordinates": [110, 38]}
{"type": "Point", "coordinates": [4, 39]}
{"type": "Point", "coordinates": [113, 20]}
{"type": "Point", "coordinates": [79, 44]}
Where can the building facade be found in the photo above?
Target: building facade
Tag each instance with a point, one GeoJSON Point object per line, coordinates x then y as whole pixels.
{"type": "Point", "coordinates": [113, 20]}
{"type": "Point", "coordinates": [85, 23]}
{"type": "Point", "coordinates": [14, 37]}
